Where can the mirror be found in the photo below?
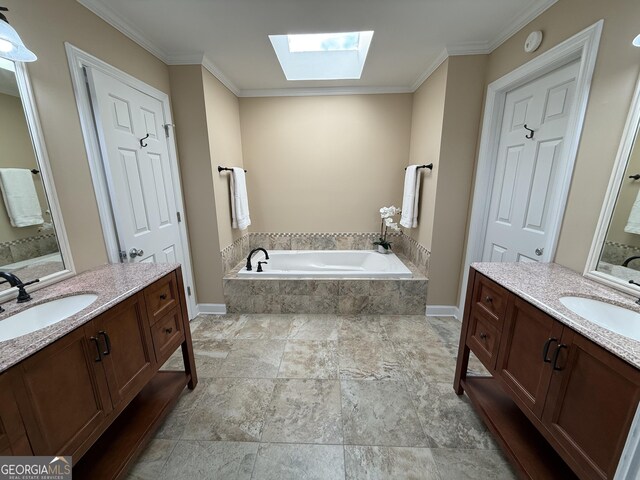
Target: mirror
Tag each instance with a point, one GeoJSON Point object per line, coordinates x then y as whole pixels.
{"type": "Point", "coordinates": [615, 253]}
{"type": "Point", "coordinates": [30, 244]}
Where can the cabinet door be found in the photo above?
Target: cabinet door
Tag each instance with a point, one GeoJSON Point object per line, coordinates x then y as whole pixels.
{"type": "Point", "coordinates": [127, 352]}
{"type": "Point", "coordinates": [65, 391]}
{"type": "Point", "coordinates": [13, 437]}
{"type": "Point", "coordinates": [593, 397]}
{"type": "Point", "coordinates": [521, 366]}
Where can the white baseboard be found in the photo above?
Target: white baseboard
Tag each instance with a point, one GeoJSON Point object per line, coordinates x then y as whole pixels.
{"type": "Point", "coordinates": [212, 309]}
{"type": "Point", "coordinates": [443, 311]}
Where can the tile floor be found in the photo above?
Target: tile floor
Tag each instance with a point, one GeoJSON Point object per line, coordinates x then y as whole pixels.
{"type": "Point", "coordinates": [323, 397]}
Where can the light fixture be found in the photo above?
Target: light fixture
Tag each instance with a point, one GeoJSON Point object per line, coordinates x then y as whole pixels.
{"type": "Point", "coordinates": [636, 41]}
{"type": "Point", "coordinates": [11, 46]}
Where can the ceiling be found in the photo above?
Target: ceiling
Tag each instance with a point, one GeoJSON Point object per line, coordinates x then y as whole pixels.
{"type": "Point", "coordinates": [230, 37]}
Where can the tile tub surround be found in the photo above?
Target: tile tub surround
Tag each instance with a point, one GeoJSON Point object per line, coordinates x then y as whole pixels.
{"type": "Point", "coordinates": [335, 415]}
{"type": "Point", "coordinates": [401, 243]}
{"type": "Point", "coordinates": [338, 296]}
{"type": "Point", "coordinates": [542, 284]}
{"type": "Point", "coordinates": [616, 253]}
{"type": "Point", "coordinates": [112, 284]}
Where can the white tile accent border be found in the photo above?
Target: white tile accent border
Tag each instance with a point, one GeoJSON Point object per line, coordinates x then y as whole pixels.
{"type": "Point", "coordinates": [443, 311]}
{"type": "Point", "coordinates": [212, 309]}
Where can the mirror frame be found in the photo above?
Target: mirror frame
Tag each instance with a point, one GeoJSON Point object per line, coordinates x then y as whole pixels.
{"type": "Point", "coordinates": [630, 133]}
{"type": "Point", "coordinates": [40, 151]}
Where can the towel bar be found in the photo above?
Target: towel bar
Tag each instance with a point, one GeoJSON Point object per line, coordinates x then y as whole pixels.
{"type": "Point", "coordinates": [221, 169]}
{"type": "Point", "coordinates": [430, 166]}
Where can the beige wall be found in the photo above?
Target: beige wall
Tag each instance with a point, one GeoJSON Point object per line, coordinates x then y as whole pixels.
{"type": "Point", "coordinates": [324, 164]}
{"type": "Point", "coordinates": [446, 115]}
{"type": "Point", "coordinates": [462, 117]}
{"type": "Point", "coordinates": [225, 147]}
{"type": "Point", "coordinates": [192, 136]}
{"type": "Point", "coordinates": [613, 83]}
{"type": "Point", "coordinates": [426, 138]}
{"type": "Point", "coordinates": [17, 152]}
{"type": "Point", "coordinates": [45, 25]}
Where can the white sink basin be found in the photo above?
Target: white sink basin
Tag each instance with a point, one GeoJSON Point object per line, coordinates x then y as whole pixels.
{"type": "Point", "coordinates": [614, 318]}
{"type": "Point", "coordinates": [43, 315]}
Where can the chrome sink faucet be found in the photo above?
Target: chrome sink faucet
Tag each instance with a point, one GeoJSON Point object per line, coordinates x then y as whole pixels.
{"type": "Point", "coordinates": [14, 281]}
{"type": "Point", "coordinates": [266, 255]}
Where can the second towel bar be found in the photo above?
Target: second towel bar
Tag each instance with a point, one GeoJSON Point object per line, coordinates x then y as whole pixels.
{"type": "Point", "coordinates": [221, 169]}
{"type": "Point", "coordinates": [430, 166]}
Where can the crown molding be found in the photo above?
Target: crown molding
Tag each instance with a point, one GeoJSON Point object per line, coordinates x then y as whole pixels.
{"type": "Point", "coordinates": [467, 48]}
{"type": "Point", "coordinates": [439, 60]}
{"type": "Point", "coordinates": [322, 91]}
{"type": "Point", "coordinates": [521, 21]}
{"type": "Point", "coordinates": [120, 24]}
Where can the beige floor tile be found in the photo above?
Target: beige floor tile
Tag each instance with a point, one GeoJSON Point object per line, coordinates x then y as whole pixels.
{"type": "Point", "coordinates": [385, 463]}
{"type": "Point", "coordinates": [305, 411]}
{"type": "Point", "coordinates": [277, 461]}
{"type": "Point", "coordinates": [309, 359]}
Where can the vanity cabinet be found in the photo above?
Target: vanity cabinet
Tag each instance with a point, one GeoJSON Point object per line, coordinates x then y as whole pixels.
{"type": "Point", "coordinates": [555, 399]}
{"type": "Point", "coordinates": [13, 437]}
{"type": "Point", "coordinates": [96, 393]}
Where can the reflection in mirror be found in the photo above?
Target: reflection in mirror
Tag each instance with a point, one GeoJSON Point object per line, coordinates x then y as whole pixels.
{"type": "Point", "coordinates": [28, 242]}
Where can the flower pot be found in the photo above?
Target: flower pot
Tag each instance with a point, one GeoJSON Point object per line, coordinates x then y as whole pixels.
{"type": "Point", "coordinates": [381, 249]}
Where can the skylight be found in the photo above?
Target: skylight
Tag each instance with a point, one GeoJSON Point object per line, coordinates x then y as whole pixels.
{"type": "Point", "coordinates": [323, 42]}
{"type": "Point", "coordinates": [322, 56]}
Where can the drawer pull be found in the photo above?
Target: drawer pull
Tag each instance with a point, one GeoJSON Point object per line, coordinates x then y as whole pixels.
{"type": "Point", "coordinates": [488, 299]}
{"type": "Point", "coordinates": [163, 296]}
{"type": "Point", "coordinates": [107, 342]}
{"type": "Point", "coordinates": [545, 349]}
{"type": "Point", "coordinates": [168, 330]}
{"type": "Point", "coordinates": [483, 335]}
{"type": "Point", "coordinates": [556, 356]}
{"type": "Point", "coordinates": [97, 344]}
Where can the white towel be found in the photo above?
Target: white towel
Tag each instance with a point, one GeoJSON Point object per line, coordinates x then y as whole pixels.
{"type": "Point", "coordinates": [410, 197]}
{"type": "Point", "coordinates": [239, 200]}
{"type": "Point", "coordinates": [633, 224]}
{"type": "Point", "coordinates": [20, 197]}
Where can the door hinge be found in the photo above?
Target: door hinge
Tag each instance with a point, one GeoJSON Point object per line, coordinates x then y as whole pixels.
{"type": "Point", "coordinates": [166, 128]}
{"type": "Point", "coordinates": [179, 216]}
{"type": "Point", "coordinates": [189, 291]}
{"type": "Point", "coordinates": [123, 255]}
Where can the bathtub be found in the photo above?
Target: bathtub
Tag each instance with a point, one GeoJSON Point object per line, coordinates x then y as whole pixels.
{"type": "Point", "coordinates": [327, 264]}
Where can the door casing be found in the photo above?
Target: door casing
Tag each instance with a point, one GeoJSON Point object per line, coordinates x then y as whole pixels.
{"type": "Point", "coordinates": [582, 46]}
{"type": "Point", "coordinates": [78, 60]}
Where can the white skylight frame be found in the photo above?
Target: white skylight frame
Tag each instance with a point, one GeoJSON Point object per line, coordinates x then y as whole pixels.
{"type": "Point", "coordinates": [322, 63]}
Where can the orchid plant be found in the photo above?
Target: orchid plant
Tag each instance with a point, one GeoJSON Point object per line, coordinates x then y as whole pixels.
{"type": "Point", "coordinates": [387, 214]}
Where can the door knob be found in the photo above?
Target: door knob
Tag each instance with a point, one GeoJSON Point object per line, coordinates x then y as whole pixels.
{"type": "Point", "coordinates": [539, 251]}
{"type": "Point", "coordinates": [134, 252]}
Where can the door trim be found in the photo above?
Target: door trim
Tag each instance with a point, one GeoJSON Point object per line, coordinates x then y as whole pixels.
{"type": "Point", "coordinates": [79, 59]}
{"type": "Point", "coordinates": [583, 47]}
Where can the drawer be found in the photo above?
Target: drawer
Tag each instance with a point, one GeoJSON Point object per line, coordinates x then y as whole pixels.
{"type": "Point", "coordinates": [167, 335]}
{"type": "Point", "coordinates": [491, 298]}
{"type": "Point", "coordinates": [483, 339]}
{"type": "Point", "coordinates": [161, 297]}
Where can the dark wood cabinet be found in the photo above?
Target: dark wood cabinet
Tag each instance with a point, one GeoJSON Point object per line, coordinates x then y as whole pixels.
{"type": "Point", "coordinates": [13, 436]}
{"type": "Point", "coordinates": [591, 403]}
{"type": "Point", "coordinates": [524, 366]}
{"type": "Point", "coordinates": [96, 393]}
{"type": "Point", "coordinates": [66, 395]}
{"type": "Point", "coordinates": [560, 405]}
{"type": "Point", "coordinates": [126, 348]}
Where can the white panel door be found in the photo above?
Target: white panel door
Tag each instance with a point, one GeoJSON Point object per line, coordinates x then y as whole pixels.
{"type": "Point", "coordinates": [526, 184]}
{"type": "Point", "coordinates": [138, 170]}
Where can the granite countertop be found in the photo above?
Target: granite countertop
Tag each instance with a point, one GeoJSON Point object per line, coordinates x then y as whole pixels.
{"type": "Point", "coordinates": [542, 285]}
{"type": "Point", "coordinates": [112, 284]}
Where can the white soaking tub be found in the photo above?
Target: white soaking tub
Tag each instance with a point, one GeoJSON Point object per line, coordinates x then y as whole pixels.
{"type": "Point", "coordinates": [327, 264]}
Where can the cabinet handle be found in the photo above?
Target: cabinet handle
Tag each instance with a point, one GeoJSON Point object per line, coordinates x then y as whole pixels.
{"type": "Point", "coordinates": [163, 296]}
{"type": "Point", "coordinates": [107, 342]}
{"type": "Point", "coordinates": [488, 299]}
{"type": "Point", "coordinates": [168, 330]}
{"type": "Point", "coordinates": [556, 356]}
{"type": "Point", "coordinates": [99, 357]}
{"type": "Point", "coordinates": [483, 335]}
{"type": "Point", "coordinates": [545, 349]}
